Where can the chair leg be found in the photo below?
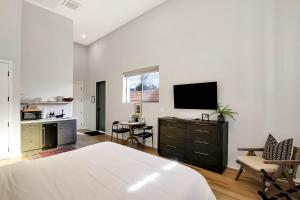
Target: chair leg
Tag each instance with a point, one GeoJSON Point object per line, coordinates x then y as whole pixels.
{"type": "Point", "coordinates": [239, 173]}
{"type": "Point", "coordinates": [117, 137]}
{"type": "Point", "coordinates": [111, 137]}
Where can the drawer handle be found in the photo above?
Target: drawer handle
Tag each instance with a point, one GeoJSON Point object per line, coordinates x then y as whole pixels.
{"type": "Point", "coordinates": [169, 136]}
{"type": "Point", "coordinates": [170, 146]}
{"type": "Point", "coordinates": [202, 124]}
{"type": "Point", "coordinates": [202, 131]}
{"type": "Point", "coordinates": [200, 153]}
{"type": "Point", "coordinates": [200, 142]}
{"type": "Point", "coordinates": [172, 127]}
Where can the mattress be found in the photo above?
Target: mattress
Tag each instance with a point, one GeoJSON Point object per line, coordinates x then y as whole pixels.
{"type": "Point", "coordinates": [105, 171]}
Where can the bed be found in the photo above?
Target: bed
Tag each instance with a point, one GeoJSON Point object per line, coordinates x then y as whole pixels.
{"type": "Point", "coordinates": [105, 171]}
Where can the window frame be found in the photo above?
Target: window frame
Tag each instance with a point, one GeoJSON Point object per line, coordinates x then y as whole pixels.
{"type": "Point", "coordinates": [141, 73]}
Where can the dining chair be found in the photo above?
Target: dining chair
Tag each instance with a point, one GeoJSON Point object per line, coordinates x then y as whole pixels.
{"type": "Point", "coordinates": [147, 132]}
{"type": "Point", "coordinates": [118, 129]}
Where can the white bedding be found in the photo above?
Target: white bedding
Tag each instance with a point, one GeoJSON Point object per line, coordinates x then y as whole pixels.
{"type": "Point", "coordinates": [105, 171]}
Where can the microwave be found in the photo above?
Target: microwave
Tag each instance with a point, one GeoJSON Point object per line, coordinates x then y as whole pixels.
{"type": "Point", "coordinates": [31, 114]}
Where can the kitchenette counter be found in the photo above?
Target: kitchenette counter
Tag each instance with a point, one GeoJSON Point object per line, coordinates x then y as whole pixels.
{"type": "Point", "coordinates": [48, 133]}
{"type": "Point", "coordinates": [47, 120]}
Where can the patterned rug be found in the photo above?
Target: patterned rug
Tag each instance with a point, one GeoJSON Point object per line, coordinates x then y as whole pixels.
{"type": "Point", "coordinates": [51, 152]}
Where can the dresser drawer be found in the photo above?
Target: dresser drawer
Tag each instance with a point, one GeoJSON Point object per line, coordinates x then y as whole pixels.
{"type": "Point", "coordinates": [172, 150]}
{"type": "Point", "coordinates": [204, 127]}
{"type": "Point", "coordinates": [173, 141]}
{"type": "Point", "coordinates": [205, 136]}
{"type": "Point", "coordinates": [172, 136]}
{"type": "Point", "coordinates": [204, 147]}
{"type": "Point", "coordinates": [202, 158]}
{"type": "Point", "coordinates": [173, 124]}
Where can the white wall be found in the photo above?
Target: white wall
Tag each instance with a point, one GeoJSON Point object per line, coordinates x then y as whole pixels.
{"type": "Point", "coordinates": [80, 62]}
{"type": "Point", "coordinates": [10, 49]}
{"type": "Point", "coordinates": [250, 47]}
{"type": "Point", "coordinates": [47, 56]}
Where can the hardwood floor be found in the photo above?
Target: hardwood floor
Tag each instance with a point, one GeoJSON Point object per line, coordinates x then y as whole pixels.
{"type": "Point", "coordinates": [223, 185]}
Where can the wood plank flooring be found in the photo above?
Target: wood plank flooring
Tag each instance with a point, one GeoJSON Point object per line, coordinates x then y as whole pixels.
{"type": "Point", "coordinates": [223, 185]}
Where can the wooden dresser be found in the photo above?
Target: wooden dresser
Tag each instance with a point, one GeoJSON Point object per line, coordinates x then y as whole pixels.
{"type": "Point", "coordinates": [197, 142]}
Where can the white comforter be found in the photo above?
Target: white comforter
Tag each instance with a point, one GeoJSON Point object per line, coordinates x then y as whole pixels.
{"type": "Point", "coordinates": [105, 171]}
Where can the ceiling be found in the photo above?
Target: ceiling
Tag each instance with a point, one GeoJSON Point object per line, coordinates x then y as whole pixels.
{"type": "Point", "coordinates": [97, 18]}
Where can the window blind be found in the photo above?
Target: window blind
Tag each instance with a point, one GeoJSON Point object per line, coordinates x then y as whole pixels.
{"type": "Point", "coordinates": [142, 71]}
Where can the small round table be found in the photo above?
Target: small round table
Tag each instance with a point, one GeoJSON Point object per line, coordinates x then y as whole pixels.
{"type": "Point", "coordinates": [131, 126]}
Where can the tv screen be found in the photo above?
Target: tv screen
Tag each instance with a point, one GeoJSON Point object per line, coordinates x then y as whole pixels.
{"type": "Point", "coordinates": [196, 96]}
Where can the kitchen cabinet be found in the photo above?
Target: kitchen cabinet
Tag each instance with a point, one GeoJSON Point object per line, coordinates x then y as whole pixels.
{"type": "Point", "coordinates": [67, 132]}
{"type": "Point", "coordinates": [33, 137]}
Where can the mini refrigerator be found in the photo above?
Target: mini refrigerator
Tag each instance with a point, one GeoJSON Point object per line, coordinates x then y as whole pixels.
{"type": "Point", "coordinates": [49, 136]}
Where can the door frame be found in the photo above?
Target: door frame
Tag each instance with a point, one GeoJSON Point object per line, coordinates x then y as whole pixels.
{"type": "Point", "coordinates": [10, 104]}
{"type": "Point", "coordinates": [97, 97]}
{"type": "Point", "coordinates": [82, 84]}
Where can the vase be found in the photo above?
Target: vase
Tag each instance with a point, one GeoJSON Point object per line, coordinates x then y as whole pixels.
{"type": "Point", "coordinates": [221, 119]}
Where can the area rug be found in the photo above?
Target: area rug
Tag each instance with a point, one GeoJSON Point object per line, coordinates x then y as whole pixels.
{"type": "Point", "coordinates": [51, 152]}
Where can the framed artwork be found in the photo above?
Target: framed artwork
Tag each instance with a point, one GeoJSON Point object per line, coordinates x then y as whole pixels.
{"type": "Point", "coordinates": [205, 117]}
{"type": "Point", "coordinates": [93, 99]}
{"type": "Point", "coordinates": [138, 108]}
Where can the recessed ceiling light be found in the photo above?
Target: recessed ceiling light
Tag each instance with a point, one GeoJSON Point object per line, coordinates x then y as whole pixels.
{"type": "Point", "coordinates": [83, 35]}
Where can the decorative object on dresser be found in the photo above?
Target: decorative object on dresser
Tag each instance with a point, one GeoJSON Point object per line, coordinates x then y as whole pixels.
{"type": "Point", "coordinates": [224, 112]}
{"type": "Point", "coordinates": [201, 143]}
{"type": "Point", "coordinates": [205, 117]}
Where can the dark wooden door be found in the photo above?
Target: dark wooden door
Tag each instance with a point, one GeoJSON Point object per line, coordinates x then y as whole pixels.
{"type": "Point", "coordinates": [100, 105]}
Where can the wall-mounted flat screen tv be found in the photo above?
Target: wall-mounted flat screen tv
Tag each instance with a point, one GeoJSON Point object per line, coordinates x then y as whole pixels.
{"type": "Point", "coordinates": [196, 96]}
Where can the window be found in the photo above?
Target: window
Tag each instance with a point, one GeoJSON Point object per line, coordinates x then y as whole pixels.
{"type": "Point", "coordinates": [141, 85]}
